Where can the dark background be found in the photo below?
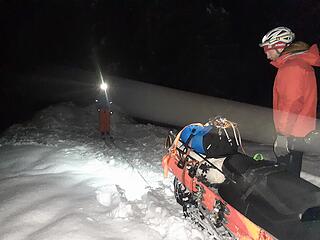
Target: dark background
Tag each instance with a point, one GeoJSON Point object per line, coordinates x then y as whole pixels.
{"type": "Point", "coordinates": [204, 46]}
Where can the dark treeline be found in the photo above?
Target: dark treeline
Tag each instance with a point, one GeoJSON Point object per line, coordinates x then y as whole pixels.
{"type": "Point", "coordinates": [204, 46]}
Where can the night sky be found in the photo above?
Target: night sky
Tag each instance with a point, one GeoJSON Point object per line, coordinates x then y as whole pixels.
{"type": "Point", "coordinates": [208, 47]}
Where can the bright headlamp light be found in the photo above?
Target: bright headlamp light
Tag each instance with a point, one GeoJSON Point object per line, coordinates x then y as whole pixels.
{"type": "Point", "coordinates": [103, 86]}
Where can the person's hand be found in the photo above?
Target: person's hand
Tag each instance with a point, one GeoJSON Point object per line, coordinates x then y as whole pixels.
{"type": "Point", "coordinates": [280, 146]}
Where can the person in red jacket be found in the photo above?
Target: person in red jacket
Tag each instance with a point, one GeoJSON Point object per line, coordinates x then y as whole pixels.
{"type": "Point", "coordinates": [294, 93]}
{"type": "Point", "coordinates": [103, 108]}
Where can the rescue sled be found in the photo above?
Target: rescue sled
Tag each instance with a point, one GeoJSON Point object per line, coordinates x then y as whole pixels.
{"type": "Point", "coordinates": [232, 196]}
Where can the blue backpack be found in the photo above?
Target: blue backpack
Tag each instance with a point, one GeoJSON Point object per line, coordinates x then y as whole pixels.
{"type": "Point", "coordinates": [208, 140]}
{"type": "Point", "coordinates": [192, 136]}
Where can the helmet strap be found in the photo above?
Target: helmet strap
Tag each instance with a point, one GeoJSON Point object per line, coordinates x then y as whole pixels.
{"type": "Point", "coordinates": [277, 50]}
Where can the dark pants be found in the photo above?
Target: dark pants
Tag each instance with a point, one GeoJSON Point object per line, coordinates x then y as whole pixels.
{"type": "Point", "coordinates": [292, 161]}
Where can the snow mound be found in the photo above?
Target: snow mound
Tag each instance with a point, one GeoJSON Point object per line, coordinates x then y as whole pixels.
{"type": "Point", "coordinates": [59, 180]}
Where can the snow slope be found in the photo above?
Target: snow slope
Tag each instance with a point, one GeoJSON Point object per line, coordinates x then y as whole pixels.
{"type": "Point", "coordinates": [59, 180]}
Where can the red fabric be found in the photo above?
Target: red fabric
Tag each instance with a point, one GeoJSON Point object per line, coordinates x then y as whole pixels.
{"type": "Point", "coordinates": [104, 121]}
{"type": "Point", "coordinates": [295, 92]}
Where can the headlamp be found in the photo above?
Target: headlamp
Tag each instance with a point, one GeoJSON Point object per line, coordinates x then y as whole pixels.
{"type": "Point", "coordinates": [103, 86]}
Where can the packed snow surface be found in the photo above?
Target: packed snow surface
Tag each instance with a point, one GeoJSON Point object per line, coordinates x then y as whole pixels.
{"type": "Point", "coordinates": [59, 180]}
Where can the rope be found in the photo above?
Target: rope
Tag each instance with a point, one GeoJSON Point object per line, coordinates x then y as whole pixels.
{"type": "Point", "coordinates": [130, 163]}
{"type": "Point", "coordinates": [223, 124]}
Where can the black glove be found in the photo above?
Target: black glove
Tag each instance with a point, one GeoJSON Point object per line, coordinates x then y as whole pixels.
{"type": "Point", "coordinates": [280, 146]}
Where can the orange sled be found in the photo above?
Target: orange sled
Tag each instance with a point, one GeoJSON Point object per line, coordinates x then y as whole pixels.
{"type": "Point", "coordinates": [256, 200]}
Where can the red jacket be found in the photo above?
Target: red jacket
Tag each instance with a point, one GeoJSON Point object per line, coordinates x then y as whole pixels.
{"type": "Point", "coordinates": [295, 92]}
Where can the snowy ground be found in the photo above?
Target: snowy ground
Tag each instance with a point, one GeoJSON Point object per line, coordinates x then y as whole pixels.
{"type": "Point", "coordinates": [59, 180]}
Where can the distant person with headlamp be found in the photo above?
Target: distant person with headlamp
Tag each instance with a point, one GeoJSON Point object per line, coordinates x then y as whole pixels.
{"type": "Point", "coordinates": [294, 93]}
{"type": "Point", "coordinates": [103, 108]}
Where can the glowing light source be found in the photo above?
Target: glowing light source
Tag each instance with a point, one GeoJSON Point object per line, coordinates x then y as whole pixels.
{"type": "Point", "coordinates": [104, 86]}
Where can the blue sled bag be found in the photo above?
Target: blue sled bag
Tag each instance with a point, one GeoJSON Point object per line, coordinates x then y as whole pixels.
{"type": "Point", "coordinates": [208, 140]}
{"type": "Point", "coordinates": [192, 137]}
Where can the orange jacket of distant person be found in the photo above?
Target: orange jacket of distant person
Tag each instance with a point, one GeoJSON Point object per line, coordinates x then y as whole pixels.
{"type": "Point", "coordinates": [104, 121]}
{"type": "Point", "coordinates": [295, 92]}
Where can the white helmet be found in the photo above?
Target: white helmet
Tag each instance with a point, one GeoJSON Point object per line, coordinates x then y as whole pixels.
{"type": "Point", "coordinates": [276, 35]}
